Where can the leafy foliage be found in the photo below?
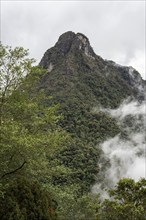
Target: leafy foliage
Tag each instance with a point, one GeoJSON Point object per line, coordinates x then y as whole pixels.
{"type": "Point", "coordinates": [29, 131]}
{"type": "Point", "coordinates": [129, 201]}
{"type": "Point", "coordinates": [26, 200]}
{"type": "Point", "coordinates": [72, 160]}
{"type": "Point", "coordinates": [14, 65]}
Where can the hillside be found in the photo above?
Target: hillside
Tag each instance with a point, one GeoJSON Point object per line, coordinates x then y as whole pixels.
{"type": "Point", "coordinates": [79, 80]}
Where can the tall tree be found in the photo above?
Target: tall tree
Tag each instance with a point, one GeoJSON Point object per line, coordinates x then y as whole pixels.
{"type": "Point", "coordinates": [29, 130]}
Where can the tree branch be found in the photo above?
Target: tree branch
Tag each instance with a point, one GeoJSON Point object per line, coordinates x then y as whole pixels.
{"type": "Point", "coordinates": [11, 172]}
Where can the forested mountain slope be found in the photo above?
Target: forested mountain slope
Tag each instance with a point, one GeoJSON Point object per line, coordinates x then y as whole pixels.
{"type": "Point", "coordinates": [79, 80]}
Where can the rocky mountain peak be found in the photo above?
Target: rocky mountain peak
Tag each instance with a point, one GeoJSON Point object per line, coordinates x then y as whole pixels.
{"type": "Point", "coordinates": [69, 42]}
{"type": "Point", "coordinates": [84, 45]}
{"type": "Point", "coordinates": [65, 41]}
{"type": "Point", "coordinates": [73, 55]}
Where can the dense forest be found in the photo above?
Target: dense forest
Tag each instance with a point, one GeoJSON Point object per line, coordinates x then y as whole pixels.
{"type": "Point", "coordinates": [50, 153]}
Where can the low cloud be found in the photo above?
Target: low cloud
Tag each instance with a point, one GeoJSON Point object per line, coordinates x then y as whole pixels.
{"type": "Point", "coordinates": [133, 108]}
{"type": "Point", "coordinates": [126, 152]}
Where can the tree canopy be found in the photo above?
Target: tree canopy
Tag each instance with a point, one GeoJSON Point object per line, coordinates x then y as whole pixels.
{"type": "Point", "coordinates": [29, 131]}
{"type": "Point", "coordinates": [127, 201]}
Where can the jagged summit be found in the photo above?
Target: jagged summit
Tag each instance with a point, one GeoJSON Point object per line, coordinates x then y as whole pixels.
{"type": "Point", "coordinates": [69, 42]}
{"type": "Point", "coordinates": [65, 41]}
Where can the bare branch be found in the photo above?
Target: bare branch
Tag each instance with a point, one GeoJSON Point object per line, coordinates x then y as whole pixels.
{"type": "Point", "coordinates": [13, 171]}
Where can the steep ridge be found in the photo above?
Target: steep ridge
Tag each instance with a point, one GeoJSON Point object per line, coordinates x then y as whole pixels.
{"type": "Point", "coordinates": [80, 80]}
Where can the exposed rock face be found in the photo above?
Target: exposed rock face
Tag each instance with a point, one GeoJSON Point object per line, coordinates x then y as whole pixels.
{"type": "Point", "coordinates": [84, 45]}
{"type": "Point", "coordinates": [132, 77]}
{"type": "Point", "coordinates": [65, 42]}
{"type": "Point", "coordinates": [50, 67]}
{"type": "Point", "coordinates": [68, 42]}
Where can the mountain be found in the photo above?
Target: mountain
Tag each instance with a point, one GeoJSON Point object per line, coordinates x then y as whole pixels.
{"type": "Point", "coordinates": [79, 80]}
{"type": "Point", "coordinates": [72, 60]}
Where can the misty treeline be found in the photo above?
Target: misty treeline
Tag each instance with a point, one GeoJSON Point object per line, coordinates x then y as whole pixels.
{"type": "Point", "coordinates": [45, 172]}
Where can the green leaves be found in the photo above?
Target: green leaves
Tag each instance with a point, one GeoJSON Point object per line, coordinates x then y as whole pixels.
{"type": "Point", "coordinates": [29, 130]}
{"type": "Point", "coordinates": [25, 199]}
{"type": "Point", "coordinates": [14, 66]}
{"type": "Point", "coordinates": [128, 201]}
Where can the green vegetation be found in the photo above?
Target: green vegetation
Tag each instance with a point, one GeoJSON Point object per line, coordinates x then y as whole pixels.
{"type": "Point", "coordinates": [128, 201]}
{"type": "Point", "coordinates": [25, 199]}
{"type": "Point", "coordinates": [49, 151]}
{"type": "Point", "coordinates": [29, 131]}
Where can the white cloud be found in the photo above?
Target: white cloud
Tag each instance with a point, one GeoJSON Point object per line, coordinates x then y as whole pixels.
{"type": "Point", "coordinates": [127, 158]}
{"type": "Point", "coordinates": [138, 61]}
{"type": "Point", "coordinates": [127, 155]}
{"type": "Point", "coordinates": [128, 108]}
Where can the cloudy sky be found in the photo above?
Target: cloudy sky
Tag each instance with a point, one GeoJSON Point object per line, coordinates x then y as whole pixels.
{"type": "Point", "coordinates": [116, 29]}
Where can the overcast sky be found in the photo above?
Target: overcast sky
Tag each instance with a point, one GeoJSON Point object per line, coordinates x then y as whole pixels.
{"type": "Point", "coordinates": [116, 29]}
